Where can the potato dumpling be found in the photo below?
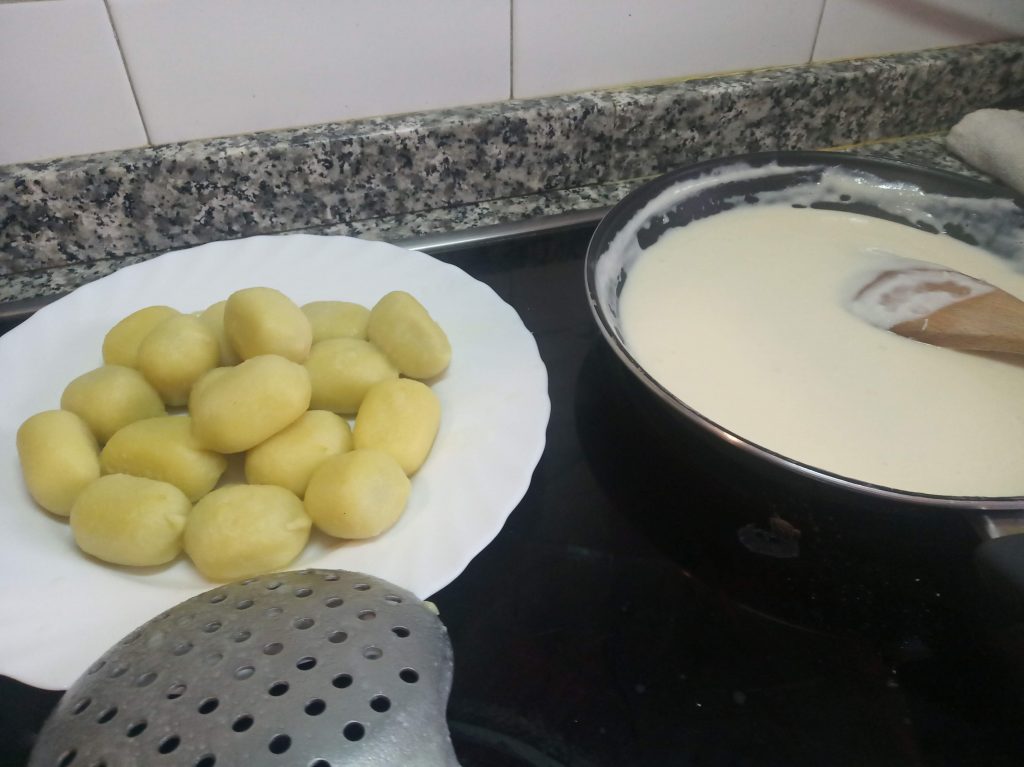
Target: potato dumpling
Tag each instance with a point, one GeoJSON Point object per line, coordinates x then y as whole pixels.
{"type": "Point", "coordinates": [336, 319]}
{"type": "Point", "coordinates": [213, 317]}
{"type": "Point", "coordinates": [400, 417]}
{"type": "Point", "coordinates": [130, 520]}
{"type": "Point", "coordinates": [242, 530]}
{"type": "Point", "coordinates": [401, 327]}
{"type": "Point", "coordinates": [341, 371]}
{"type": "Point", "coordinates": [164, 448]}
{"type": "Point", "coordinates": [111, 397]}
{"type": "Point", "coordinates": [121, 344]}
{"type": "Point", "coordinates": [59, 457]}
{"type": "Point", "coordinates": [265, 321]}
{"type": "Point", "coordinates": [175, 354]}
{"type": "Point", "coordinates": [235, 409]}
{"type": "Point", "coordinates": [290, 457]}
{"type": "Point", "coordinates": [358, 494]}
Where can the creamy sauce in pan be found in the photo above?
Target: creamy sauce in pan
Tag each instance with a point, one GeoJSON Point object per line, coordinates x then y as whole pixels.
{"type": "Point", "coordinates": [744, 316]}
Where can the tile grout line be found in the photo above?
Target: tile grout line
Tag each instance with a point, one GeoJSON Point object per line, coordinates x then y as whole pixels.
{"type": "Point", "coordinates": [127, 72]}
{"type": "Point", "coordinates": [817, 32]}
{"type": "Point", "coordinates": [511, 47]}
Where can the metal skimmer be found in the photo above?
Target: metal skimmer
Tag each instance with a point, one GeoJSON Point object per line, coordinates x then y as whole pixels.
{"type": "Point", "coordinates": [318, 668]}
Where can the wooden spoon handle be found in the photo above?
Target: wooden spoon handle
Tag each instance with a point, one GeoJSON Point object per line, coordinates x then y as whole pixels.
{"type": "Point", "coordinates": [993, 322]}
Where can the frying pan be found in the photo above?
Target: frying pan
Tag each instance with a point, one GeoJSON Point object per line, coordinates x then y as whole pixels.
{"type": "Point", "coordinates": [970, 210]}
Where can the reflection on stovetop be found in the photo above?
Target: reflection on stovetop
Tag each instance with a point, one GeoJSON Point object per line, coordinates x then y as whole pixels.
{"type": "Point", "coordinates": [650, 603]}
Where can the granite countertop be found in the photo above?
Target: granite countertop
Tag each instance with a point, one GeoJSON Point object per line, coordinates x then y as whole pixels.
{"type": "Point", "coordinates": [73, 220]}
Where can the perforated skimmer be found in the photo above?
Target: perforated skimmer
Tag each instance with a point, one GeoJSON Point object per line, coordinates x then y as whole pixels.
{"type": "Point", "coordinates": [318, 668]}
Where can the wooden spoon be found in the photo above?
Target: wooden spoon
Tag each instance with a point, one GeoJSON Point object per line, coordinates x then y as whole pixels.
{"type": "Point", "coordinates": [943, 307]}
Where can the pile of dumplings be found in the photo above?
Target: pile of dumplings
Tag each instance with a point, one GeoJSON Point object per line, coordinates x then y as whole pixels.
{"type": "Point", "coordinates": [257, 377]}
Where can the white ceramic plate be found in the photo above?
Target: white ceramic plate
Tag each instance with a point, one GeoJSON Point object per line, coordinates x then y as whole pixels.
{"type": "Point", "coordinates": [62, 610]}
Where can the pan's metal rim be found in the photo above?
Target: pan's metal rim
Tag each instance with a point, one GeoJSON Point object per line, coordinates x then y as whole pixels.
{"type": "Point", "coordinates": [629, 206]}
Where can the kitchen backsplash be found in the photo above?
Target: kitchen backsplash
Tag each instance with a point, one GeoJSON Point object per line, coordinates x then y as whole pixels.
{"type": "Point", "coordinates": [85, 76]}
{"type": "Point", "coordinates": [73, 219]}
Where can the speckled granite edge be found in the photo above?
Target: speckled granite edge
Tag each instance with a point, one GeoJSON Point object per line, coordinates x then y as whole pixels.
{"type": "Point", "coordinates": [72, 220]}
{"type": "Point", "coordinates": [929, 151]}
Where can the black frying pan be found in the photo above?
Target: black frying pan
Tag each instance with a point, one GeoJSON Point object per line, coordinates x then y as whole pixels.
{"type": "Point", "coordinates": [989, 216]}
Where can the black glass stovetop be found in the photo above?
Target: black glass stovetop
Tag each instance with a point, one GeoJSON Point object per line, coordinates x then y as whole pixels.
{"type": "Point", "coordinates": [651, 603]}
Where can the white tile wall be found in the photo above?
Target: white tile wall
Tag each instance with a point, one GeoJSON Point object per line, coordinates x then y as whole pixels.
{"type": "Point", "coordinates": [203, 68]}
{"type": "Point", "coordinates": [63, 87]}
{"type": "Point", "coordinates": [855, 28]}
{"type": "Point", "coordinates": [570, 45]}
{"type": "Point", "coordinates": [214, 67]}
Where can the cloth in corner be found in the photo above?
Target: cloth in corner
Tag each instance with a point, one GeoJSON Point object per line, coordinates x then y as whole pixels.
{"type": "Point", "coordinates": [992, 140]}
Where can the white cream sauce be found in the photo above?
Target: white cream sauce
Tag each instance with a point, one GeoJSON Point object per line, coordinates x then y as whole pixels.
{"type": "Point", "coordinates": [744, 317]}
